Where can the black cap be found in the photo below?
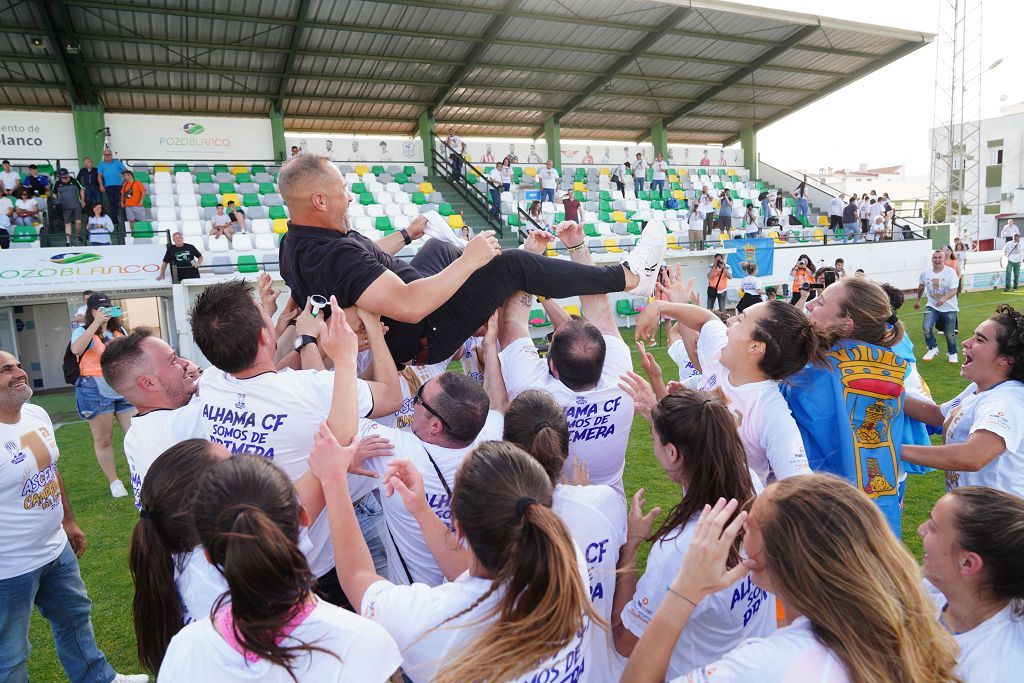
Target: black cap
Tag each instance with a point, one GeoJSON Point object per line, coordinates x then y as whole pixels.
{"type": "Point", "coordinates": [63, 172]}
{"type": "Point", "coordinates": [98, 300]}
{"type": "Point", "coordinates": [5, 161]}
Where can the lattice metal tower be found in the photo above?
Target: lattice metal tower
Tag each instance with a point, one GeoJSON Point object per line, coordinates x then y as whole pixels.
{"type": "Point", "coordinates": [956, 131]}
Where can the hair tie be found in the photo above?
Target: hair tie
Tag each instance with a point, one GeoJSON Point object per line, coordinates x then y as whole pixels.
{"type": "Point", "coordinates": [145, 514]}
{"type": "Point", "coordinates": [540, 425]}
{"type": "Point", "coordinates": [892, 319]}
{"type": "Point", "coordinates": [522, 504]}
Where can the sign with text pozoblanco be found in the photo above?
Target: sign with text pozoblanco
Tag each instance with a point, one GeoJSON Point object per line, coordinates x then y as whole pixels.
{"type": "Point", "coordinates": [55, 270]}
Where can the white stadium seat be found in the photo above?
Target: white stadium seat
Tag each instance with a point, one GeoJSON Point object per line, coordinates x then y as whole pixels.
{"type": "Point", "coordinates": [217, 244]}
{"type": "Point", "coordinates": [261, 226]}
{"type": "Point", "coordinates": [191, 228]}
{"type": "Point", "coordinates": [166, 213]}
{"type": "Point", "coordinates": [265, 242]}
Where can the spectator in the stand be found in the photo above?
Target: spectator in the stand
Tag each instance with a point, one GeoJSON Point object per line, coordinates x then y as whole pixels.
{"type": "Point", "coordinates": [295, 150]}
{"type": "Point", "coordinates": [639, 173]}
{"type": "Point", "coordinates": [851, 220]}
{"type": "Point", "coordinates": [876, 209]}
{"type": "Point", "coordinates": [705, 160]}
{"type": "Point", "coordinates": [766, 207]}
{"type": "Point", "coordinates": [777, 200]}
{"type": "Point", "coordinates": [494, 183]}
{"type": "Point", "coordinates": [79, 318]}
{"type": "Point", "coordinates": [835, 212]}
{"type": "Point", "coordinates": [1014, 250]}
{"type": "Point", "coordinates": [183, 257]}
{"type": "Point", "coordinates": [878, 229]}
{"type": "Point", "coordinates": [707, 209]}
{"type": "Point", "coordinates": [236, 217]}
{"type": "Point", "coordinates": [220, 224]}
{"type": "Point", "coordinates": [659, 174]}
{"type": "Point", "coordinates": [725, 211]}
{"type": "Point", "coordinates": [71, 196]}
{"type": "Point", "coordinates": [454, 143]}
{"type": "Point", "coordinates": [111, 181]}
{"type": "Point", "coordinates": [538, 215]}
{"type": "Point", "coordinates": [719, 273]}
{"type": "Point", "coordinates": [803, 208]}
{"type": "Point", "coordinates": [548, 182]}
{"type": "Point", "coordinates": [34, 182]}
{"type": "Point", "coordinates": [89, 177]}
{"type": "Point", "coordinates": [133, 193]}
{"type": "Point", "coordinates": [750, 221]}
{"type": "Point", "coordinates": [802, 273]}
{"type": "Point", "coordinates": [9, 180]}
{"type": "Point", "coordinates": [506, 174]}
{"type": "Point", "coordinates": [571, 205]}
{"type": "Point", "coordinates": [6, 224]}
{"type": "Point", "coordinates": [619, 178]}
{"type": "Point", "coordinates": [694, 226]}
{"type": "Point", "coordinates": [888, 212]}
{"type": "Point", "coordinates": [1009, 230]}
{"type": "Point", "coordinates": [26, 208]}
{"type": "Point", "coordinates": [100, 227]}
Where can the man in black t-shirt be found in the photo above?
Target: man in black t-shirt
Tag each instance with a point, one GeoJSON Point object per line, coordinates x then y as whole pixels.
{"type": "Point", "coordinates": [185, 257]}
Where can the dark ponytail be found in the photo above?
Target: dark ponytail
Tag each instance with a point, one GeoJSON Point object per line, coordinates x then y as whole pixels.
{"type": "Point", "coordinates": [247, 515]}
{"type": "Point", "coordinates": [712, 458]}
{"type": "Point", "coordinates": [502, 502]}
{"type": "Point", "coordinates": [165, 529]}
{"type": "Point", "coordinates": [791, 340]}
{"type": "Point", "coordinates": [536, 423]}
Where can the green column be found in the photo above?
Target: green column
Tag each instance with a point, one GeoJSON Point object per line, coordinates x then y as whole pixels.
{"type": "Point", "coordinates": [88, 121]}
{"type": "Point", "coordinates": [659, 138]}
{"type": "Point", "coordinates": [425, 131]}
{"type": "Point", "coordinates": [277, 133]}
{"type": "Point", "coordinates": [748, 141]}
{"type": "Point", "coordinates": [553, 136]}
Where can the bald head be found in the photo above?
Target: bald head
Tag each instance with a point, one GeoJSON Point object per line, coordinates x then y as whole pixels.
{"type": "Point", "coordinates": [315, 191]}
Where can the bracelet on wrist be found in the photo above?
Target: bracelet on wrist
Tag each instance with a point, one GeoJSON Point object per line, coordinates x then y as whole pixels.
{"type": "Point", "coordinates": [578, 246]}
{"type": "Point", "coordinates": [676, 593]}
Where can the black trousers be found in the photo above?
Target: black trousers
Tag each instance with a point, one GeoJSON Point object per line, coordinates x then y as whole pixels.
{"type": "Point", "coordinates": [620, 185]}
{"type": "Point", "coordinates": [835, 222]}
{"type": "Point", "coordinates": [447, 328]}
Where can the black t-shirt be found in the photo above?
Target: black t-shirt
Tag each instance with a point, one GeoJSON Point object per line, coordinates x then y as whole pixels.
{"type": "Point", "coordinates": [325, 262]}
{"type": "Point", "coordinates": [848, 213]}
{"type": "Point", "coordinates": [182, 257]}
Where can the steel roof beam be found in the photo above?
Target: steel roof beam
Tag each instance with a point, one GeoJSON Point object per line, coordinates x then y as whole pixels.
{"type": "Point", "coordinates": [61, 34]}
{"type": "Point", "coordinates": [289, 63]}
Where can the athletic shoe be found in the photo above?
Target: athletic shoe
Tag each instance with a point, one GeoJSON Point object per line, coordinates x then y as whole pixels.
{"type": "Point", "coordinates": [931, 354]}
{"type": "Point", "coordinates": [646, 258]}
{"type": "Point", "coordinates": [117, 490]}
{"type": "Point", "coordinates": [130, 678]}
{"type": "Point", "coordinates": [953, 358]}
{"type": "Point", "coordinates": [439, 229]}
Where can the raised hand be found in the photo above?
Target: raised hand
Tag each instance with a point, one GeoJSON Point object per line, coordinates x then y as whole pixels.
{"type": "Point", "coordinates": [638, 525]}
{"type": "Point", "coordinates": [481, 249]}
{"type": "Point", "coordinates": [404, 479]}
{"type": "Point", "coordinates": [653, 371]}
{"type": "Point", "coordinates": [647, 323]}
{"type": "Point", "coordinates": [538, 240]}
{"type": "Point", "coordinates": [704, 571]}
{"type": "Point", "coordinates": [337, 339]}
{"type": "Point", "coordinates": [640, 391]}
{"type": "Point", "coordinates": [570, 233]}
{"type": "Point", "coordinates": [268, 295]}
{"type": "Point", "coordinates": [673, 288]}
{"type": "Point", "coordinates": [307, 323]}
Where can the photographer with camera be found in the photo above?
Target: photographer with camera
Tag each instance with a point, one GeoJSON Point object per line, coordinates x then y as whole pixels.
{"type": "Point", "coordinates": [97, 402]}
{"type": "Point", "coordinates": [803, 277]}
{"type": "Point", "coordinates": [725, 211]}
{"type": "Point", "coordinates": [719, 273]}
{"type": "Point", "coordinates": [706, 205]}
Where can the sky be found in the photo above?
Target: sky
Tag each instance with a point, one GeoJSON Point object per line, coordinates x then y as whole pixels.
{"type": "Point", "coordinates": [884, 119]}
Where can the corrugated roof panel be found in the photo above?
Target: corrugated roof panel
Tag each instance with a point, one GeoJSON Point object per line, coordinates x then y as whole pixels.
{"type": "Point", "coordinates": [398, 16]}
{"type": "Point", "coordinates": [783, 79]}
{"type": "Point", "coordinates": [171, 81]}
{"type": "Point", "coordinates": [16, 96]}
{"type": "Point", "coordinates": [365, 109]}
{"type": "Point", "coordinates": [679, 69]}
{"type": "Point", "coordinates": [716, 22]}
{"type": "Point", "coordinates": [615, 121]}
{"type": "Point", "coordinates": [509, 99]}
{"type": "Point", "coordinates": [340, 43]}
{"type": "Point", "coordinates": [623, 11]}
{"type": "Point", "coordinates": [527, 79]}
{"type": "Point", "coordinates": [555, 57]}
{"type": "Point", "coordinates": [637, 86]}
{"type": "Point", "coordinates": [560, 33]}
{"type": "Point", "coordinates": [368, 68]}
{"type": "Point", "coordinates": [626, 103]}
{"type": "Point", "coordinates": [489, 114]}
{"type": "Point", "coordinates": [749, 111]}
{"type": "Point", "coordinates": [852, 40]}
{"type": "Point", "coordinates": [744, 93]}
{"type": "Point", "coordinates": [803, 59]}
{"type": "Point", "coordinates": [597, 133]}
{"type": "Point", "coordinates": [349, 126]}
{"type": "Point", "coordinates": [32, 72]}
{"type": "Point", "coordinates": [345, 90]}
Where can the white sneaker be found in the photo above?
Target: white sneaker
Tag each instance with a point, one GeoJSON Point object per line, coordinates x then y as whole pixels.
{"type": "Point", "coordinates": [931, 354]}
{"type": "Point", "coordinates": [953, 358]}
{"type": "Point", "coordinates": [647, 257]}
{"type": "Point", "coordinates": [130, 678]}
{"type": "Point", "coordinates": [438, 228]}
{"type": "Point", "coordinates": [117, 490]}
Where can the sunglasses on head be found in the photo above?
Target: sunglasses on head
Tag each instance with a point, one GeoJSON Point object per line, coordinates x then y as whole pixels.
{"type": "Point", "coordinates": [419, 399]}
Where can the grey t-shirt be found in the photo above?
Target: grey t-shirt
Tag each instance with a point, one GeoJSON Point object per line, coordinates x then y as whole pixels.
{"type": "Point", "coordinates": [68, 193]}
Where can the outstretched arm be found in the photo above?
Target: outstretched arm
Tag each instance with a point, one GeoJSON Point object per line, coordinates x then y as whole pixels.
{"type": "Point", "coordinates": [595, 307]}
{"type": "Point", "coordinates": [514, 318]}
{"type": "Point", "coordinates": [393, 243]}
{"type": "Point", "coordinates": [981, 448]}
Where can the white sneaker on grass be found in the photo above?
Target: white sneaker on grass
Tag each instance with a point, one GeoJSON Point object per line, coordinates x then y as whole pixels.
{"type": "Point", "coordinates": [130, 678]}
{"type": "Point", "coordinates": [438, 228]}
{"type": "Point", "coordinates": [931, 354]}
{"type": "Point", "coordinates": [646, 257]}
{"type": "Point", "coordinates": [117, 489]}
{"type": "Point", "coordinates": [953, 358]}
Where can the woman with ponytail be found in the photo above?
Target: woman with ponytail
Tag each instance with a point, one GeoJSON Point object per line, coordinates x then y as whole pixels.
{"type": "Point", "coordinates": [269, 626]}
{"type": "Point", "coordinates": [859, 613]}
{"type": "Point", "coordinates": [520, 613]}
{"type": "Point", "coordinates": [696, 443]}
{"type": "Point", "coordinates": [594, 515]}
{"type": "Point", "coordinates": [744, 363]}
{"type": "Point", "coordinates": [165, 553]}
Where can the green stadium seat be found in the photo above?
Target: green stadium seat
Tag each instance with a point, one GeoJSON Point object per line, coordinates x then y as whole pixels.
{"type": "Point", "coordinates": [220, 168]}
{"type": "Point", "coordinates": [382, 223]}
{"type": "Point", "coordinates": [243, 178]}
{"type": "Point", "coordinates": [606, 196]}
{"type": "Point", "coordinates": [358, 188]}
{"type": "Point", "coordinates": [147, 202]}
{"type": "Point", "coordinates": [25, 234]}
{"type": "Point", "coordinates": [277, 212]}
{"type": "Point", "coordinates": [582, 196]}
{"type": "Point", "coordinates": [409, 170]}
{"type": "Point", "coordinates": [366, 198]}
{"type": "Point", "coordinates": [267, 188]}
{"type": "Point", "coordinates": [142, 229]}
{"type": "Point", "coordinates": [204, 177]}
{"type": "Point", "coordinates": [226, 188]}
{"type": "Point", "coordinates": [445, 209]}
{"type": "Point", "coordinates": [633, 228]}
{"type": "Point", "coordinates": [624, 307]}
{"type": "Point", "coordinates": [247, 263]}
{"type": "Point", "coordinates": [250, 200]}
{"type": "Point", "coordinates": [259, 168]}
{"type": "Point", "coordinates": [45, 169]}
{"type": "Point", "coordinates": [471, 178]}
{"type": "Point", "coordinates": [208, 200]}
{"type": "Point", "coordinates": [182, 168]}
{"type": "Point", "coordinates": [377, 170]}
{"type": "Point", "coordinates": [401, 178]}
{"type": "Point", "coordinates": [515, 221]}
{"type": "Point", "coordinates": [604, 216]}
{"type": "Point", "coordinates": [590, 230]}
{"type": "Point", "coordinates": [419, 198]}
{"type": "Point", "coordinates": [605, 205]}
{"type": "Point", "coordinates": [142, 177]}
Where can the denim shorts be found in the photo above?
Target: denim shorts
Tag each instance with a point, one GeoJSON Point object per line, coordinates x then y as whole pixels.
{"type": "Point", "coordinates": [92, 403]}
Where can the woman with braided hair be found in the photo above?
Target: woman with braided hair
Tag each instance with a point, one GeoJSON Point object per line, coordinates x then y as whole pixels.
{"type": "Point", "coordinates": [983, 427]}
{"type": "Point", "coordinates": [521, 612]}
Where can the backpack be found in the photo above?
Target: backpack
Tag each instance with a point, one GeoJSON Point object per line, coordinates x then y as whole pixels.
{"type": "Point", "coordinates": [761, 197]}
{"type": "Point", "coordinates": [672, 203]}
{"type": "Point", "coordinates": [71, 366]}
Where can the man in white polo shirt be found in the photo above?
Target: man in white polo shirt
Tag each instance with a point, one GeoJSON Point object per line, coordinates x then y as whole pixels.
{"type": "Point", "coordinates": [548, 182]}
{"type": "Point", "coordinates": [585, 360]}
{"type": "Point", "coordinates": [940, 282]}
{"type": "Point", "coordinates": [1014, 250]}
{"type": "Point", "coordinates": [40, 543]}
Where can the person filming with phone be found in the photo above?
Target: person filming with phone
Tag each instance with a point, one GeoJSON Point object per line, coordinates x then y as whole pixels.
{"type": "Point", "coordinates": [719, 273]}
{"type": "Point", "coordinates": [97, 402]}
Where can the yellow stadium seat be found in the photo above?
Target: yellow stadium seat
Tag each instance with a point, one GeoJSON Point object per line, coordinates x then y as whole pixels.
{"type": "Point", "coordinates": [731, 171]}
{"type": "Point", "coordinates": [551, 251]}
{"type": "Point", "coordinates": [715, 204]}
{"type": "Point", "coordinates": [611, 245]}
{"type": "Point", "coordinates": [819, 235]}
{"type": "Point", "coordinates": [673, 178]}
{"type": "Point", "coordinates": [678, 194]}
{"type": "Point", "coordinates": [161, 168]}
{"type": "Point", "coordinates": [229, 197]}
{"type": "Point", "coordinates": [774, 234]}
{"type": "Point", "coordinates": [822, 220]}
{"type": "Point", "coordinates": [572, 310]}
{"type": "Point", "coordinates": [579, 187]}
{"type": "Point", "coordinates": [619, 217]}
{"type": "Point", "coordinates": [426, 188]}
{"type": "Point", "coordinates": [604, 171]}
{"type": "Point", "coordinates": [455, 220]}
{"type": "Point", "coordinates": [673, 242]}
{"type": "Point", "coordinates": [682, 172]}
{"type": "Point", "coordinates": [280, 225]}
{"type": "Point", "coordinates": [362, 169]}
{"type": "Point", "coordinates": [530, 171]}
{"type": "Point", "coordinates": [235, 170]}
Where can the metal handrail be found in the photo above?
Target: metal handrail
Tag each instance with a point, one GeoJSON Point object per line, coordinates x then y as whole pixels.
{"type": "Point", "coordinates": [469, 192]}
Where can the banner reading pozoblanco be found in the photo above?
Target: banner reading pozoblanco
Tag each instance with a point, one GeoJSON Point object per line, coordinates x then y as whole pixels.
{"type": "Point", "coordinates": [190, 137]}
{"type": "Point", "coordinates": [57, 270]}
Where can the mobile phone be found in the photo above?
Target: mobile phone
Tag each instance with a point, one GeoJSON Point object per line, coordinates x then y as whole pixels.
{"type": "Point", "coordinates": [112, 311]}
{"type": "Point", "coordinates": [830, 278]}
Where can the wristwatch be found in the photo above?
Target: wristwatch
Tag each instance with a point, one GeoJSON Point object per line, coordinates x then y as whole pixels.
{"type": "Point", "coordinates": [302, 340]}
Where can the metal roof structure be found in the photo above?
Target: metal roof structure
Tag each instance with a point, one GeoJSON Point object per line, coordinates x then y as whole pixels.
{"type": "Point", "coordinates": [605, 69]}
